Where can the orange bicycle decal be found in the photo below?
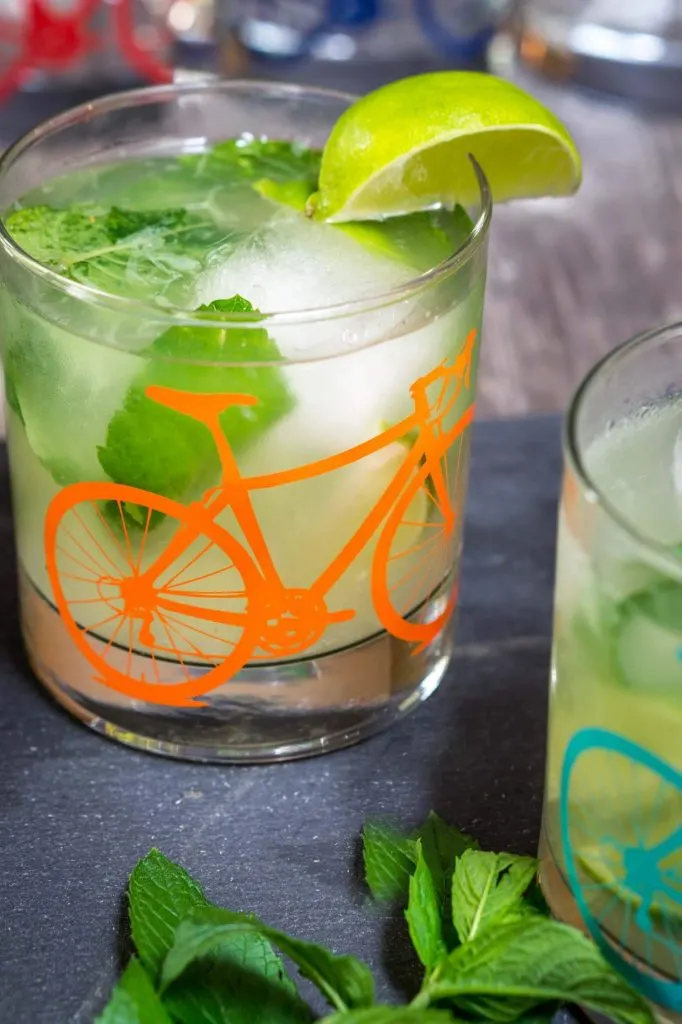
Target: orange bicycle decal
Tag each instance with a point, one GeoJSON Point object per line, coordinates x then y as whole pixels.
{"type": "Point", "coordinates": [197, 596]}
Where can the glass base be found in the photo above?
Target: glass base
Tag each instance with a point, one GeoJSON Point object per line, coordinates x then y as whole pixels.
{"type": "Point", "coordinates": [268, 712]}
{"type": "Point", "coordinates": [563, 907]}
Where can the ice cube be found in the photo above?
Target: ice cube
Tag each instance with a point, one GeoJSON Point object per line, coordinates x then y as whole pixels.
{"type": "Point", "coordinates": [297, 264]}
{"type": "Point", "coordinates": [352, 374]}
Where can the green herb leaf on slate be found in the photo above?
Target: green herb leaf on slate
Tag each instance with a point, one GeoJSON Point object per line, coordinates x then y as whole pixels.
{"type": "Point", "coordinates": [344, 981]}
{"type": "Point", "coordinates": [391, 1015]}
{"type": "Point", "coordinates": [507, 971]}
{"type": "Point", "coordinates": [134, 1000]}
{"type": "Point", "coordinates": [442, 845]}
{"type": "Point", "coordinates": [160, 896]}
{"type": "Point", "coordinates": [243, 981]}
{"type": "Point", "coordinates": [423, 914]}
{"type": "Point", "coordinates": [389, 859]}
{"type": "Point", "coordinates": [488, 887]}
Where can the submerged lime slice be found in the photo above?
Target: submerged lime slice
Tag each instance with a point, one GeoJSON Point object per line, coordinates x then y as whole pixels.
{"type": "Point", "coordinates": [419, 240]}
{"type": "Point", "coordinates": [406, 147]}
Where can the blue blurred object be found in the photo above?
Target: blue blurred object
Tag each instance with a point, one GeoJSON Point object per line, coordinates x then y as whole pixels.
{"type": "Point", "coordinates": [368, 30]}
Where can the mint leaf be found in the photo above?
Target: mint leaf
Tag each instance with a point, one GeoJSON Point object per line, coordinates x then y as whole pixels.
{"type": "Point", "coordinates": [488, 887]}
{"type": "Point", "coordinates": [134, 1000]}
{"type": "Point", "coordinates": [160, 895]}
{"type": "Point", "coordinates": [124, 252]}
{"type": "Point", "coordinates": [505, 972]}
{"type": "Point", "coordinates": [54, 237]}
{"type": "Point", "coordinates": [423, 914]}
{"type": "Point", "coordinates": [442, 844]}
{"type": "Point", "coordinates": [150, 446]}
{"type": "Point", "coordinates": [119, 223]}
{"type": "Point", "coordinates": [241, 982]}
{"type": "Point", "coordinates": [389, 859]}
{"type": "Point", "coordinates": [391, 1015]}
{"type": "Point", "coordinates": [266, 158]}
{"type": "Point", "coordinates": [344, 981]}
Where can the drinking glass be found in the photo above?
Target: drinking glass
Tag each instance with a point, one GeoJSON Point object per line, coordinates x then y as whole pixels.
{"type": "Point", "coordinates": [307, 598]}
{"type": "Point", "coordinates": [611, 849]}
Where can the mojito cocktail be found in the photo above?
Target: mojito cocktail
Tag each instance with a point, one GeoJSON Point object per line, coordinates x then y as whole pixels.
{"type": "Point", "coordinates": [612, 843]}
{"type": "Point", "coordinates": [240, 386]}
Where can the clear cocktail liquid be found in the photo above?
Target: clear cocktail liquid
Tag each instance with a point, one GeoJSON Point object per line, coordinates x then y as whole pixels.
{"type": "Point", "coordinates": [226, 230]}
{"type": "Point", "coordinates": [612, 839]}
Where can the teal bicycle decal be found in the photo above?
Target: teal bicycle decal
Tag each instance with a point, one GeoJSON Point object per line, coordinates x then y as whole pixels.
{"type": "Point", "coordinates": [624, 857]}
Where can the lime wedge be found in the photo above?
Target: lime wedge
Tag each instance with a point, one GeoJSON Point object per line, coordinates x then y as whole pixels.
{"type": "Point", "coordinates": [405, 147]}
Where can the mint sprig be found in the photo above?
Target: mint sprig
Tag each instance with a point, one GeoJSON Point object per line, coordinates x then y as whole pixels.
{"type": "Point", "coordinates": [489, 949]}
{"type": "Point", "coordinates": [135, 1000]}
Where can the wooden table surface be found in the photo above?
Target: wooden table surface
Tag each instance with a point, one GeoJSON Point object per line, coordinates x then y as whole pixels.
{"type": "Point", "coordinates": [568, 279]}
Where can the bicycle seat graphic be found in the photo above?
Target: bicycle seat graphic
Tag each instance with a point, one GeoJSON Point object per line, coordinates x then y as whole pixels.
{"type": "Point", "coordinates": [623, 849]}
{"type": "Point", "coordinates": [135, 595]}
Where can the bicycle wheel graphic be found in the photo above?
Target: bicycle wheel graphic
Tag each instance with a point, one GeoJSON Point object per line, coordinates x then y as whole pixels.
{"type": "Point", "coordinates": [198, 616]}
{"type": "Point", "coordinates": [419, 544]}
{"type": "Point", "coordinates": [623, 857]}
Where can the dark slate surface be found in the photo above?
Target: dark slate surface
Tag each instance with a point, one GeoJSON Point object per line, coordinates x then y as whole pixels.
{"type": "Point", "coordinates": [78, 810]}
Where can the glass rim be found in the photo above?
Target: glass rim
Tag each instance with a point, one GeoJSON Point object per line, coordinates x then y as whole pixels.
{"type": "Point", "coordinates": [572, 449]}
{"type": "Point", "coordinates": [167, 318]}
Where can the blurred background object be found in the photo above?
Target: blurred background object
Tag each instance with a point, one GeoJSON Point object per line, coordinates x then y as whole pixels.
{"type": "Point", "coordinates": [98, 45]}
{"type": "Point", "coordinates": [389, 38]}
{"type": "Point", "coordinates": [44, 43]}
{"type": "Point", "coordinates": [632, 48]}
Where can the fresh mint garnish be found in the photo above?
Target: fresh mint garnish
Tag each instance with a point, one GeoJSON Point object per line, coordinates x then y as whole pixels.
{"type": "Point", "coordinates": [153, 447]}
{"type": "Point", "coordinates": [344, 981]}
{"type": "Point", "coordinates": [501, 960]}
{"type": "Point", "coordinates": [161, 895]}
{"type": "Point", "coordinates": [442, 846]}
{"type": "Point", "coordinates": [135, 1000]}
{"type": "Point", "coordinates": [391, 1015]}
{"type": "Point", "coordinates": [513, 968]}
{"type": "Point", "coordinates": [389, 860]}
{"type": "Point", "coordinates": [488, 887]}
{"type": "Point", "coordinates": [253, 158]}
{"type": "Point", "coordinates": [423, 914]}
{"type": "Point", "coordinates": [125, 252]}
{"type": "Point", "coordinates": [241, 978]}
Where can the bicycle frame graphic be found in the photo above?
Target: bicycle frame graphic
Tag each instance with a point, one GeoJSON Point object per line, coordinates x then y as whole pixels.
{"type": "Point", "coordinates": [646, 870]}
{"type": "Point", "coordinates": [168, 607]}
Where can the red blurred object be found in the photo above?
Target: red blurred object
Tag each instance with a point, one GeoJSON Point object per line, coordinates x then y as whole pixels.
{"type": "Point", "coordinates": [49, 39]}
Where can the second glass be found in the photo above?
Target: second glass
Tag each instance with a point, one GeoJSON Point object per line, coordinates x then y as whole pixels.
{"type": "Point", "coordinates": [611, 855]}
{"type": "Point", "coordinates": [301, 597]}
